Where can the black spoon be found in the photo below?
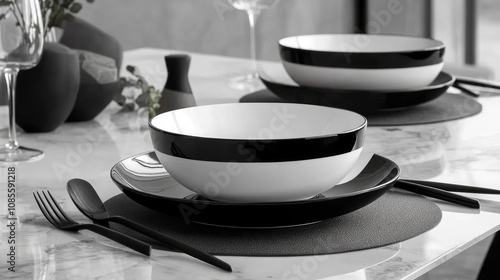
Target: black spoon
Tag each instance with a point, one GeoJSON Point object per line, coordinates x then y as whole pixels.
{"type": "Point", "coordinates": [88, 202]}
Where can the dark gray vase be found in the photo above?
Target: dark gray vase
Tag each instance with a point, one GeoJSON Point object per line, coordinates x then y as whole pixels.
{"type": "Point", "coordinates": [177, 93]}
{"type": "Point", "coordinates": [47, 93]}
{"type": "Point", "coordinates": [93, 97]}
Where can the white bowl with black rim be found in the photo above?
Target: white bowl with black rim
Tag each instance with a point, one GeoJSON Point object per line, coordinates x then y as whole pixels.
{"type": "Point", "coordinates": [362, 61]}
{"type": "Point", "coordinates": [258, 152]}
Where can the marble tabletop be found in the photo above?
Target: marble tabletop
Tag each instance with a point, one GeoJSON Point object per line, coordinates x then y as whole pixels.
{"type": "Point", "coordinates": [465, 151]}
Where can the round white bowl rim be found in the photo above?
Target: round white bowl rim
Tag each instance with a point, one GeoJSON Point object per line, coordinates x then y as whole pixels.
{"type": "Point", "coordinates": [438, 44]}
{"type": "Point", "coordinates": [361, 126]}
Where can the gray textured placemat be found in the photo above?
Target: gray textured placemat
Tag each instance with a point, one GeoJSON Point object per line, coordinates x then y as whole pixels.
{"type": "Point", "coordinates": [395, 217]}
{"type": "Point", "coordinates": [444, 108]}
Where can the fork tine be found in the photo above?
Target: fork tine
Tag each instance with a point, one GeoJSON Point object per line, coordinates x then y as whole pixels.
{"type": "Point", "coordinates": [49, 207]}
{"type": "Point", "coordinates": [43, 208]}
{"type": "Point", "coordinates": [54, 202]}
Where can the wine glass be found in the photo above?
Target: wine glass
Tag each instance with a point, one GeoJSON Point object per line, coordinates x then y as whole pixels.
{"type": "Point", "coordinates": [253, 8]}
{"type": "Point", "coordinates": [21, 44]}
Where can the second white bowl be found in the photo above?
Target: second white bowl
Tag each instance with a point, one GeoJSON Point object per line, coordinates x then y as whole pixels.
{"type": "Point", "coordinates": [361, 61]}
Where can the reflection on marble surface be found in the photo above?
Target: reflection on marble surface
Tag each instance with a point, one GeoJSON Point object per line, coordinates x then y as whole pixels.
{"type": "Point", "coordinates": [418, 150]}
{"type": "Point", "coordinates": [465, 151]}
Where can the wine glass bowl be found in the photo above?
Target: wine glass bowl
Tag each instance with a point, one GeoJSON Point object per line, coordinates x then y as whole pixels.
{"type": "Point", "coordinates": [21, 45]}
{"type": "Point", "coordinates": [253, 8]}
{"type": "Point", "coordinates": [252, 5]}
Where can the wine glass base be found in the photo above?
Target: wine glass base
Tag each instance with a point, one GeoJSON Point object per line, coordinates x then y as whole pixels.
{"type": "Point", "coordinates": [21, 154]}
{"type": "Point", "coordinates": [249, 82]}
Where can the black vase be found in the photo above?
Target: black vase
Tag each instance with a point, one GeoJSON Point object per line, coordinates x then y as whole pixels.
{"type": "Point", "coordinates": [177, 93]}
{"type": "Point", "coordinates": [93, 97]}
{"type": "Point", "coordinates": [46, 94]}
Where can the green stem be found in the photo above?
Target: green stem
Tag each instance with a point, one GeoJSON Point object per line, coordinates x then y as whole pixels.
{"type": "Point", "coordinates": [45, 11]}
{"type": "Point", "coordinates": [19, 18]}
{"type": "Point", "coordinates": [21, 22]}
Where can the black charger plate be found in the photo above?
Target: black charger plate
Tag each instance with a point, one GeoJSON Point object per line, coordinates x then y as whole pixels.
{"type": "Point", "coordinates": [143, 179]}
{"type": "Point", "coordinates": [360, 101]}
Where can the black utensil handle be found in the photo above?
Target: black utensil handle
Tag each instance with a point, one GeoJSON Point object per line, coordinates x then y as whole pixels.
{"type": "Point", "coordinates": [132, 243]}
{"type": "Point", "coordinates": [466, 90]}
{"type": "Point", "coordinates": [183, 247]}
{"type": "Point", "coordinates": [437, 193]}
{"type": "Point", "coordinates": [478, 82]}
{"type": "Point", "coordinates": [455, 188]}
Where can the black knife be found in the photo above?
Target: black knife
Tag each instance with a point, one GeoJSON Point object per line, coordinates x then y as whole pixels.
{"type": "Point", "coordinates": [477, 82]}
{"type": "Point", "coordinates": [437, 193]}
{"type": "Point", "coordinates": [455, 187]}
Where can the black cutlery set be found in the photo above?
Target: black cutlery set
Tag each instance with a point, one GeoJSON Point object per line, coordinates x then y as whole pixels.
{"type": "Point", "coordinates": [88, 202]}
{"type": "Point", "coordinates": [461, 83]}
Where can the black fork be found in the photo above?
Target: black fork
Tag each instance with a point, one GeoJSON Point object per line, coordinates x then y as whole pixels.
{"type": "Point", "coordinates": [57, 217]}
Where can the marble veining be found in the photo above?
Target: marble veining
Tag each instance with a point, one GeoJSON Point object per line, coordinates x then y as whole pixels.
{"type": "Point", "coordinates": [463, 151]}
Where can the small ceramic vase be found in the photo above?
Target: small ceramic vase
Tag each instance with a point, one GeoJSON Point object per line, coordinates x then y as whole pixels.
{"type": "Point", "coordinates": [47, 93]}
{"type": "Point", "coordinates": [177, 92]}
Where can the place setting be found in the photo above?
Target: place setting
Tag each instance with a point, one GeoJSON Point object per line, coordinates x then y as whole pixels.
{"type": "Point", "coordinates": [391, 79]}
{"type": "Point", "coordinates": [268, 186]}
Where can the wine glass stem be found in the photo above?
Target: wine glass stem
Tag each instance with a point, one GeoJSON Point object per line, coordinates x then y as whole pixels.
{"type": "Point", "coordinates": [10, 79]}
{"type": "Point", "coordinates": [252, 18]}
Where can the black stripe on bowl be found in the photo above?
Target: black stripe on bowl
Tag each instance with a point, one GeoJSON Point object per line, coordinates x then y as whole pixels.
{"type": "Point", "coordinates": [243, 150]}
{"type": "Point", "coordinates": [362, 60]}
{"type": "Point", "coordinates": [342, 51]}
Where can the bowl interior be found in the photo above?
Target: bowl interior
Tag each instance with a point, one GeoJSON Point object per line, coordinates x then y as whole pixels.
{"type": "Point", "coordinates": [258, 121]}
{"type": "Point", "coordinates": [360, 43]}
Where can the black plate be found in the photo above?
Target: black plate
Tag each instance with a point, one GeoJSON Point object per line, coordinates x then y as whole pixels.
{"type": "Point", "coordinates": [143, 179]}
{"type": "Point", "coordinates": [359, 101]}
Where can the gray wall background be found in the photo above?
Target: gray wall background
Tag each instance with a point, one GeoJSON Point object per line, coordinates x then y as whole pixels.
{"type": "Point", "coordinates": [212, 26]}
